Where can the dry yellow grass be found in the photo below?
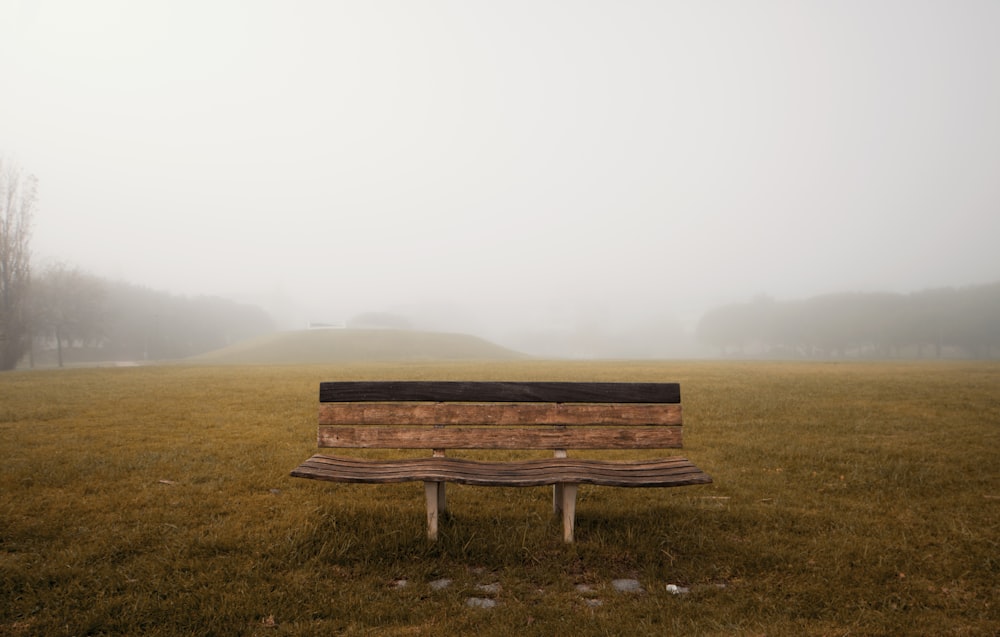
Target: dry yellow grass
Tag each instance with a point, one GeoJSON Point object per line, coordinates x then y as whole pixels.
{"type": "Point", "coordinates": [849, 498]}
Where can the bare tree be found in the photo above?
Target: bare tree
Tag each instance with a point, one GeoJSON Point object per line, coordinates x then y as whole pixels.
{"type": "Point", "coordinates": [17, 201]}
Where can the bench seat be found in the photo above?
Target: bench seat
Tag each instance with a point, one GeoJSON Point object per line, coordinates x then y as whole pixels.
{"type": "Point", "coordinates": [661, 472]}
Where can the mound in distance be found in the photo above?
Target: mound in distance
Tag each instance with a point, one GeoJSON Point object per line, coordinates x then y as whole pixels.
{"type": "Point", "coordinates": [350, 345]}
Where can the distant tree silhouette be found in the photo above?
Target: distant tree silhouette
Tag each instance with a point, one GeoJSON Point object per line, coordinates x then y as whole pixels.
{"type": "Point", "coordinates": [954, 322]}
{"type": "Point", "coordinates": [67, 305]}
{"type": "Point", "coordinates": [18, 193]}
{"type": "Point", "coordinates": [92, 319]}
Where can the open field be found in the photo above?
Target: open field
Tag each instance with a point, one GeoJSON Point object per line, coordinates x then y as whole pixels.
{"type": "Point", "coordinates": [849, 499]}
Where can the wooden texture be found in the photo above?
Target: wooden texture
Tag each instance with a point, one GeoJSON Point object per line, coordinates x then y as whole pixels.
{"type": "Point", "coordinates": [501, 415]}
{"type": "Point", "coordinates": [557, 489]}
{"type": "Point", "coordinates": [432, 494]}
{"type": "Point", "coordinates": [662, 472]}
{"type": "Point", "coordinates": [568, 495]}
{"type": "Point", "coordinates": [369, 437]}
{"type": "Point", "coordinates": [428, 413]}
{"type": "Point", "coordinates": [489, 392]}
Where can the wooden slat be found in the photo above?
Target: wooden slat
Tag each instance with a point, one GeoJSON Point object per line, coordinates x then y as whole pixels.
{"type": "Point", "coordinates": [376, 437]}
{"type": "Point", "coordinates": [443, 391]}
{"type": "Point", "coordinates": [424, 413]}
{"type": "Point", "coordinates": [663, 472]}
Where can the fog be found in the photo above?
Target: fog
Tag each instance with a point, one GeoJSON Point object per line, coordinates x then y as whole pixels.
{"type": "Point", "coordinates": [500, 166]}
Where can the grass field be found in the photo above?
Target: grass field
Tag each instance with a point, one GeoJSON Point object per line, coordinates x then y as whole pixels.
{"type": "Point", "coordinates": [849, 499]}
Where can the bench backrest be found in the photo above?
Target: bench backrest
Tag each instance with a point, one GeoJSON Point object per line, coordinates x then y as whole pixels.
{"type": "Point", "coordinates": [499, 415]}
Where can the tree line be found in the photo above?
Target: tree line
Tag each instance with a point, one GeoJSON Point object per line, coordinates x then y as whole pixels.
{"type": "Point", "coordinates": [63, 313]}
{"type": "Point", "coordinates": [938, 323]}
{"type": "Point", "coordinates": [78, 317]}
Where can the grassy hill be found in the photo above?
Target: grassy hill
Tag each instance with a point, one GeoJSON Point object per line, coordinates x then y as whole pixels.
{"type": "Point", "coordinates": [336, 345]}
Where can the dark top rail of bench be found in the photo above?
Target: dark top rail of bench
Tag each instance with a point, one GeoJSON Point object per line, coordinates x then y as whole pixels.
{"type": "Point", "coordinates": [498, 392]}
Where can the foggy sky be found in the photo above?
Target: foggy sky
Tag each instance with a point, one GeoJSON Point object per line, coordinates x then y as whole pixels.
{"type": "Point", "coordinates": [509, 162]}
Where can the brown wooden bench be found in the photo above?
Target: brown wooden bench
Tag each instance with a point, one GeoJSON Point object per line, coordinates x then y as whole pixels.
{"type": "Point", "coordinates": [554, 416]}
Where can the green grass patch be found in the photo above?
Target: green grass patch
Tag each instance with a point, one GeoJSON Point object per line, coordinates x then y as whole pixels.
{"type": "Point", "coordinates": [849, 498]}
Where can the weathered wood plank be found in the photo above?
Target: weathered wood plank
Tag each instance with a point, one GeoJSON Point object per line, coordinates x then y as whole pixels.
{"type": "Point", "coordinates": [504, 472]}
{"type": "Point", "coordinates": [426, 413]}
{"type": "Point", "coordinates": [663, 472]}
{"type": "Point", "coordinates": [456, 391]}
{"type": "Point", "coordinates": [374, 437]}
{"type": "Point", "coordinates": [404, 469]}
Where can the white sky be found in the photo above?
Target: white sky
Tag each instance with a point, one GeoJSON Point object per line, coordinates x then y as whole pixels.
{"type": "Point", "coordinates": [510, 160]}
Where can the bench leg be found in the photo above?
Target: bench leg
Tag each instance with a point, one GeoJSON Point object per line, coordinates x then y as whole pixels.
{"type": "Point", "coordinates": [557, 489]}
{"type": "Point", "coordinates": [568, 510]}
{"type": "Point", "coordinates": [442, 499]}
{"type": "Point", "coordinates": [442, 502]}
{"type": "Point", "coordinates": [432, 491]}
